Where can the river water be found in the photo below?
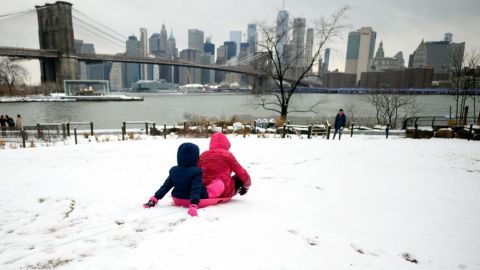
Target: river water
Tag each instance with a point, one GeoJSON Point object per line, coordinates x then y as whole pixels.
{"type": "Point", "coordinates": [171, 108]}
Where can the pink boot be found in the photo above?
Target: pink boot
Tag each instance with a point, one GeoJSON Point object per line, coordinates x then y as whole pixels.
{"type": "Point", "coordinates": [215, 189]}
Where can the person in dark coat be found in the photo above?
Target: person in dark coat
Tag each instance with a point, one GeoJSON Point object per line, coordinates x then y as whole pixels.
{"type": "Point", "coordinates": [340, 122]}
{"type": "Point", "coordinates": [186, 180]}
{"type": "Point", "coordinates": [10, 122]}
{"type": "Point", "coordinates": [3, 124]}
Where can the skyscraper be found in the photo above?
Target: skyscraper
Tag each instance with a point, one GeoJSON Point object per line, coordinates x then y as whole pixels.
{"type": "Point", "coordinates": [143, 51]}
{"type": "Point", "coordinates": [309, 47]}
{"type": "Point", "coordinates": [195, 39]}
{"type": "Point", "coordinates": [230, 49]}
{"type": "Point", "coordinates": [282, 30]}
{"type": "Point", "coordinates": [298, 42]}
{"type": "Point", "coordinates": [172, 51]}
{"type": "Point", "coordinates": [132, 71]}
{"type": "Point", "coordinates": [163, 41]}
{"type": "Point", "coordinates": [190, 75]}
{"type": "Point", "coordinates": [236, 36]}
{"type": "Point", "coordinates": [154, 44]}
{"type": "Point", "coordinates": [360, 50]}
{"type": "Point", "coordinates": [324, 65]}
{"type": "Point", "coordinates": [420, 55]}
{"type": "Point", "coordinates": [252, 38]}
{"type": "Point", "coordinates": [209, 47]}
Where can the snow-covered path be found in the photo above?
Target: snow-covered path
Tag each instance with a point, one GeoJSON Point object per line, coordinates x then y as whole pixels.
{"type": "Point", "coordinates": [360, 203]}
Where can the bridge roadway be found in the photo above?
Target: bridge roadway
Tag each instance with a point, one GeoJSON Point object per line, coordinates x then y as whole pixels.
{"type": "Point", "coordinates": [49, 54]}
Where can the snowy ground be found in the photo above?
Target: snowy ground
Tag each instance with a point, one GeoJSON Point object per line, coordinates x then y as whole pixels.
{"type": "Point", "coordinates": [360, 203]}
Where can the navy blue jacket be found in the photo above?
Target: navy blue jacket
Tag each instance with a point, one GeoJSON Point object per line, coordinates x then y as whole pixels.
{"type": "Point", "coordinates": [340, 121]}
{"type": "Point", "coordinates": [186, 177]}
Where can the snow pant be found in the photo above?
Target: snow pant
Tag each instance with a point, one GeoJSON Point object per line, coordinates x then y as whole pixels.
{"type": "Point", "coordinates": [339, 130]}
{"type": "Point", "coordinates": [215, 188]}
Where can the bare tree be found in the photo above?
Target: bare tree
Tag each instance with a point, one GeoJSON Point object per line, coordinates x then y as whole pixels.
{"type": "Point", "coordinates": [11, 73]}
{"type": "Point", "coordinates": [388, 106]}
{"type": "Point", "coordinates": [288, 62]}
{"type": "Point", "coordinates": [465, 74]}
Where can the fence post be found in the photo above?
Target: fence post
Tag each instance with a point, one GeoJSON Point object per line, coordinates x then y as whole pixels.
{"type": "Point", "coordinates": [24, 138]}
{"type": "Point", "coordinates": [75, 134]}
{"type": "Point", "coordinates": [310, 128]}
{"type": "Point", "coordinates": [328, 131]}
{"type": "Point", "coordinates": [470, 134]}
{"type": "Point", "coordinates": [465, 114]}
{"type": "Point", "coordinates": [254, 131]}
{"type": "Point", "coordinates": [146, 127]}
{"type": "Point", "coordinates": [153, 128]}
{"type": "Point", "coordinates": [165, 131]}
{"type": "Point", "coordinates": [284, 133]}
{"type": "Point", "coordinates": [244, 130]}
{"type": "Point", "coordinates": [91, 128]}
{"type": "Point", "coordinates": [64, 131]}
{"type": "Point", "coordinates": [416, 130]}
{"type": "Point", "coordinates": [68, 128]}
{"type": "Point", "coordinates": [387, 130]}
{"type": "Point", "coordinates": [351, 129]}
{"type": "Point", "coordinates": [433, 122]}
{"type": "Point", "coordinates": [38, 131]}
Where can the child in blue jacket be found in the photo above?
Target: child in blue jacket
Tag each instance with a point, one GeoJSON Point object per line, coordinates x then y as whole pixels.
{"type": "Point", "coordinates": [186, 180]}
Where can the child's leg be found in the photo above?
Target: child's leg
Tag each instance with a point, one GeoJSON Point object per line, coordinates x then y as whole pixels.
{"type": "Point", "coordinates": [215, 189]}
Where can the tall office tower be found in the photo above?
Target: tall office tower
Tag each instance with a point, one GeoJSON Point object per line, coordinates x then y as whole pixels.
{"type": "Point", "coordinates": [164, 71]}
{"type": "Point", "coordinates": [172, 53]}
{"type": "Point", "coordinates": [309, 47]}
{"type": "Point", "coordinates": [163, 40]}
{"type": "Point", "coordinates": [190, 75]}
{"type": "Point", "coordinates": [360, 50]}
{"type": "Point", "coordinates": [154, 44]}
{"type": "Point", "coordinates": [230, 49]}
{"type": "Point", "coordinates": [116, 75]}
{"type": "Point", "coordinates": [282, 31]}
{"type": "Point", "coordinates": [87, 48]}
{"type": "Point", "coordinates": [195, 39]}
{"type": "Point", "coordinates": [143, 51]}
{"type": "Point", "coordinates": [221, 60]}
{"type": "Point", "coordinates": [236, 36]}
{"type": "Point", "coordinates": [132, 71]}
{"type": "Point", "coordinates": [323, 67]}
{"type": "Point", "coordinates": [298, 42]}
{"type": "Point", "coordinates": [209, 47]}
{"type": "Point", "coordinates": [252, 38]}
{"type": "Point", "coordinates": [208, 76]}
{"type": "Point", "coordinates": [243, 54]}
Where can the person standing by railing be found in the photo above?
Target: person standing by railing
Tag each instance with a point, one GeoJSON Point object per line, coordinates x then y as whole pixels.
{"type": "Point", "coordinates": [19, 122]}
{"type": "Point", "coordinates": [3, 124]}
{"type": "Point", "coordinates": [10, 122]}
{"type": "Point", "coordinates": [340, 121]}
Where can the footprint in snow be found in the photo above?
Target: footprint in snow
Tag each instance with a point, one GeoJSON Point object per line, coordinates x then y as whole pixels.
{"type": "Point", "coordinates": [410, 258]}
{"type": "Point", "coordinates": [362, 250]}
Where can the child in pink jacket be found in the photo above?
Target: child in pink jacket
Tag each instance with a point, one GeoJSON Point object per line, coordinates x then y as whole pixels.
{"type": "Point", "coordinates": [218, 163]}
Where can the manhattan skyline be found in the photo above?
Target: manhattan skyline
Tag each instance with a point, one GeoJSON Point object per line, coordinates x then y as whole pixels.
{"type": "Point", "coordinates": [401, 26]}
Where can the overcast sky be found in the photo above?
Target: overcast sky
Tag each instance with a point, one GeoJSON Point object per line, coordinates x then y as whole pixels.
{"type": "Point", "coordinates": [400, 24]}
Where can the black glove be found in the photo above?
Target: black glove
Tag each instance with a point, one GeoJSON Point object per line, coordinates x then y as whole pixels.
{"type": "Point", "coordinates": [151, 203]}
{"type": "Point", "coordinates": [242, 190]}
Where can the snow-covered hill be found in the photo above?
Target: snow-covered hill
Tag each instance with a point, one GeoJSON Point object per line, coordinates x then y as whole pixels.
{"type": "Point", "coordinates": [360, 203]}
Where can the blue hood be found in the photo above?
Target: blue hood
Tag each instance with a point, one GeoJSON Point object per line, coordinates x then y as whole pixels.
{"type": "Point", "coordinates": [187, 155]}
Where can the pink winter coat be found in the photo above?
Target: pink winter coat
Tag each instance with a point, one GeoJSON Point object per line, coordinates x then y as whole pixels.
{"type": "Point", "coordinates": [219, 163]}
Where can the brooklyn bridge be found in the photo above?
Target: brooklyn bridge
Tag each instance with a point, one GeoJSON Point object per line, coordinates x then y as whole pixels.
{"type": "Point", "coordinates": [59, 61]}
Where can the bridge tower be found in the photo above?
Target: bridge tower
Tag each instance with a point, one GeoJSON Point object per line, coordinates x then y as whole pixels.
{"type": "Point", "coordinates": [55, 31]}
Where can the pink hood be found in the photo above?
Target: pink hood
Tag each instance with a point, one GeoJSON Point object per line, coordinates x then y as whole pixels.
{"type": "Point", "coordinates": [219, 141]}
